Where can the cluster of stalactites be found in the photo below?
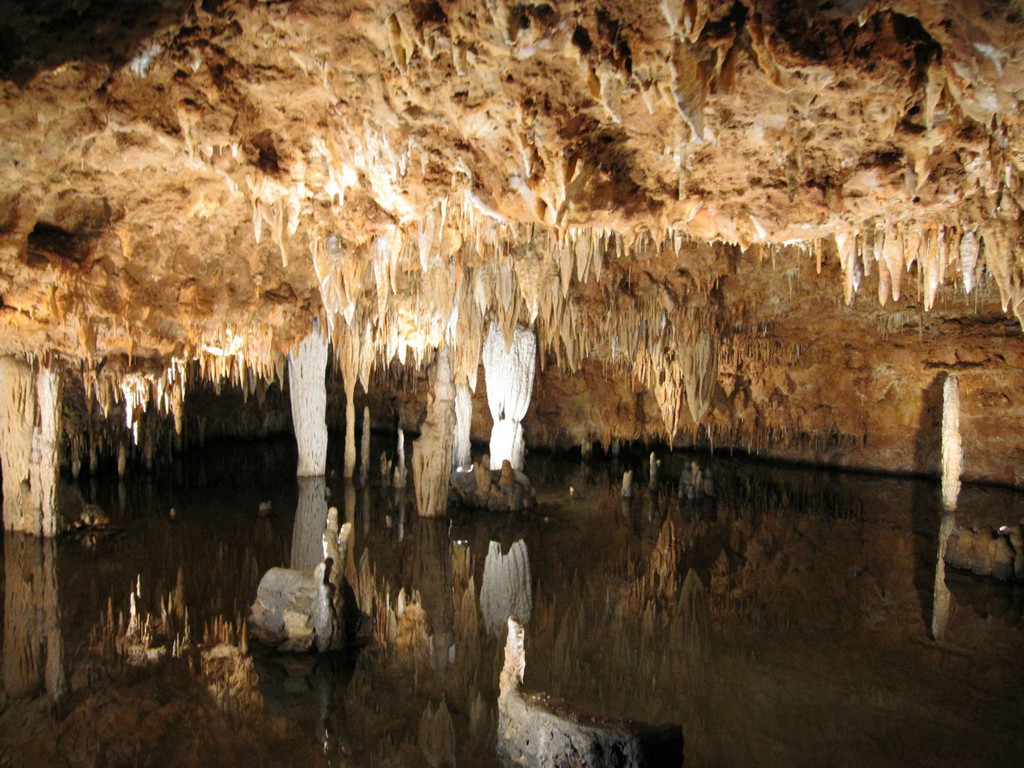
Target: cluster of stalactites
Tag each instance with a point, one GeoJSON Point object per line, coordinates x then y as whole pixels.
{"type": "Point", "coordinates": [442, 280]}
{"type": "Point", "coordinates": [937, 250]}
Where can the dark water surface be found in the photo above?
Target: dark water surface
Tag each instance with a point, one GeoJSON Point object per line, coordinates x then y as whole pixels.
{"type": "Point", "coordinates": [803, 635]}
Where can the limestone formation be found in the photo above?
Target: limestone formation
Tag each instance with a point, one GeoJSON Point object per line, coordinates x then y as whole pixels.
{"type": "Point", "coordinates": [504, 490]}
{"type": "Point", "coordinates": [307, 365]}
{"type": "Point", "coordinates": [952, 453]}
{"type": "Point", "coordinates": [302, 610]}
{"type": "Point", "coordinates": [538, 730]}
{"type": "Point", "coordinates": [987, 552]}
{"type": "Point", "coordinates": [462, 450]}
{"type": "Point", "coordinates": [785, 215]}
{"type": "Point", "coordinates": [508, 372]}
{"type": "Point", "coordinates": [432, 450]}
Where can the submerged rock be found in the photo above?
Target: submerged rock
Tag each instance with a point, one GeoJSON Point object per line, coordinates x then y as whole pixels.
{"type": "Point", "coordinates": [985, 552]}
{"type": "Point", "coordinates": [539, 730]}
{"type": "Point", "coordinates": [504, 490]}
{"type": "Point", "coordinates": [306, 610]}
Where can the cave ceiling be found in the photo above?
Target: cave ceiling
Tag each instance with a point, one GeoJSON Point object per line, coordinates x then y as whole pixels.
{"type": "Point", "coordinates": [184, 182]}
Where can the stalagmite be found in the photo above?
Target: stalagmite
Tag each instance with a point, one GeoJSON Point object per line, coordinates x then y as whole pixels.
{"type": "Point", "coordinates": [122, 459]}
{"type": "Point", "coordinates": [462, 453]}
{"type": "Point", "coordinates": [432, 450]}
{"type": "Point", "coordinates": [307, 366]}
{"type": "Point", "coordinates": [627, 484]}
{"type": "Point", "coordinates": [952, 457]}
{"type": "Point", "coordinates": [364, 448]}
{"type": "Point", "coordinates": [508, 373]}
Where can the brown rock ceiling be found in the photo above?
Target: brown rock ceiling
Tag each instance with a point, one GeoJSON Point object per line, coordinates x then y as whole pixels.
{"type": "Point", "coordinates": [785, 221]}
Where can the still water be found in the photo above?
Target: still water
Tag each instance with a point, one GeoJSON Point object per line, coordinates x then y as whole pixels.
{"type": "Point", "coordinates": [786, 620]}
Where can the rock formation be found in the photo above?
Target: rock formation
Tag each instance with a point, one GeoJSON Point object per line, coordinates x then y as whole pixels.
{"type": "Point", "coordinates": [752, 225]}
{"type": "Point", "coordinates": [306, 369]}
{"type": "Point", "coordinates": [508, 372]}
{"type": "Point", "coordinates": [432, 450]}
{"type": "Point", "coordinates": [302, 610]}
{"type": "Point", "coordinates": [538, 730]}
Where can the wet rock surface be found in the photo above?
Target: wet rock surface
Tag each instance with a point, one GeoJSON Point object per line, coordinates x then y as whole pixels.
{"type": "Point", "coordinates": [504, 490]}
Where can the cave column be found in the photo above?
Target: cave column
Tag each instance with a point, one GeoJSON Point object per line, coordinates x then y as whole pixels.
{"type": "Point", "coordinates": [462, 453]}
{"type": "Point", "coordinates": [307, 366]}
{"type": "Point", "coordinates": [432, 450]}
{"type": "Point", "coordinates": [30, 413]}
{"type": "Point", "coordinates": [508, 373]}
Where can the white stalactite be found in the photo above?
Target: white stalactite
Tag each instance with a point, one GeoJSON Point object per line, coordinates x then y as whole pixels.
{"type": "Point", "coordinates": [952, 455]}
{"type": "Point", "coordinates": [432, 450]}
{"type": "Point", "coordinates": [462, 453]}
{"type": "Point", "coordinates": [508, 373]}
{"type": "Point", "coordinates": [307, 366]}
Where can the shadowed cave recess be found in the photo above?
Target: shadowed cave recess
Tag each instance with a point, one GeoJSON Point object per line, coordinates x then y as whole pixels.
{"type": "Point", "coordinates": [584, 383]}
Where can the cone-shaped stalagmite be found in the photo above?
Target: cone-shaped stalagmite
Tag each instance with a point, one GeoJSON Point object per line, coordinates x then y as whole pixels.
{"type": "Point", "coordinates": [307, 366]}
{"type": "Point", "coordinates": [508, 373]}
{"type": "Point", "coordinates": [432, 451]}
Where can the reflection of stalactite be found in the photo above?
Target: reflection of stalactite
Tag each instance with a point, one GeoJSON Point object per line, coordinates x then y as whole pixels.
{"type": "Point", "coordinates": [505, 590]}
{"type": "Point", "coordinates": [33, 645]}
{"type": "Point", "coordinates": [940, 593]}
{"type": "Point", "coordinates": [430, 574]}
{"type": "Point", "coordinates": [310, 518]}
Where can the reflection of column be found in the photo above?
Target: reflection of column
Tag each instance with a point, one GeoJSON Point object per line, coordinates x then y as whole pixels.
{"type": "Point", "coordinates": [430, 572]}
{"type": "Point", "coordinates": [940, 594]}
{"type": "Point", "coordinates": [33, 645]}
{"type": "Point", "coordinates": [310, 518]}
{"type": "Point", "coordinates": [505, 590]}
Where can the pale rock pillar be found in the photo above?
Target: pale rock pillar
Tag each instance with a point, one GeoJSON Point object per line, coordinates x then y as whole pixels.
{"type": "Point", "coordinates": [307, 367]}
{"type": "Point", "coordinates": [30, 415]}
{"type": "Point", "coordinates": [364, 448]}
{"type": "Point", "coordinates": [349, 381]}
{"type": "Point", "coordinates": [462, 452]}
{"type": "Point", "coordinates": [952, 451]}
{"type": "Point", "coordinates": [432, 450]}
{"type": "Point", "coordinates": [508, 373]}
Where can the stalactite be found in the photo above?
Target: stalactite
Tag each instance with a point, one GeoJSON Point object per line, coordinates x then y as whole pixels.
{"type": "Point", "coordinates": [307, 366]}
{"type": "Point", "coordinates": [432, 451]}
{"type": "Point", "coordinates": [462, 453]}
{"type": "Point", "coordinates": [508, 371]}
{"type": "Point", "coordinates": [952, 456]}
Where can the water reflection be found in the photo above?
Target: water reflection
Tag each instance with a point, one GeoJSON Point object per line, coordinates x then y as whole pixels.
{"type": "Point", "coordinates": [33, 650]}
{"type": "Point", "coordinates": [785, 609]}
{"type": "Point", "coordinates": [505, 590]}
{"type": "Point", "coordinates": [308, 529]}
